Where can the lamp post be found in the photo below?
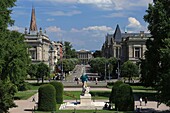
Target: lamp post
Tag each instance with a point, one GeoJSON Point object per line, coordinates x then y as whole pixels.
{"type": "Point", "coordinates": [109, 71]}
{"type": "Point", "coordinates": [118, 70]}
{"type": "Point", "coordinates": [105, 72]}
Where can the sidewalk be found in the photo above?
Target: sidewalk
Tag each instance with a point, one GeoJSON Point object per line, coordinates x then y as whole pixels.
{"type": "Point", "coordinates": [24, 106]}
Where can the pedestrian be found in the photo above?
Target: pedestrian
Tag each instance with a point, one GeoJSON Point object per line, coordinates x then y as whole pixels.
{"type": "Point", "coordinates": [146, 100]}
{"type": "Point", "coordinates": [96, 81]}
{"type": "Point", "coordinates": [33, 99]}
{"type": "Point", "coordinates": [140, 101]}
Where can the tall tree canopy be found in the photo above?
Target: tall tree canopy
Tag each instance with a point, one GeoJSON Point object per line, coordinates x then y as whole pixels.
{"type": "Point", "coordinates": [68, 51]}
{"type": "Point", "coordinates": [155, 68]}
{"type": "Point", "coordinates": [14, 58]}
{"type": "Point", "coordinates": [5, 11]}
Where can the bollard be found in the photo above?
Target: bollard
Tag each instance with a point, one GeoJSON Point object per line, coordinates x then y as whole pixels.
{"type": "Point", "coordinates": [74, 110]}
{"type": "Point", "coordinates": [95, 110]}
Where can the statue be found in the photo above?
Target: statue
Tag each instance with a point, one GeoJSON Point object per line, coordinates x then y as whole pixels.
{"type": "Point", "coordinates": [84, 79]}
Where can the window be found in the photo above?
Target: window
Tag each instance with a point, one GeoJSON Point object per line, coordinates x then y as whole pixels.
{"type": "Point", "coordinates": [137, 52]}
{"type": "Point", "coordinates": [33, 55]}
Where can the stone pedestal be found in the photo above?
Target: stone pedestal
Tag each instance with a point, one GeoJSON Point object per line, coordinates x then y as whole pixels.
{"type": "Point", "coordinates": [85, 99]}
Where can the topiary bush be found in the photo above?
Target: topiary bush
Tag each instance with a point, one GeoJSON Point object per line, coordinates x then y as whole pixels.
{"type": "Point", "coordinates": [113, 92]}
{"type": "Point", "coordinates": [124, 100]}
{"type": "Point", "coordinates": [59, 91]}
{"type": "Point", "coordinates": [47, 96]}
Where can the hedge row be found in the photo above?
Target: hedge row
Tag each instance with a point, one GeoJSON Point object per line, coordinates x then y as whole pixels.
{"type": "Point", "coordinates": [122, 96]}
{"type": "Point", "coordinates": [49, 96]}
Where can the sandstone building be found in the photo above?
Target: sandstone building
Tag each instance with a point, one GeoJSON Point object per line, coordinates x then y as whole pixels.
{"type": "Point", "coordinates": [42, 49]}
{"type": "Point", "coordinates": [125, 46]}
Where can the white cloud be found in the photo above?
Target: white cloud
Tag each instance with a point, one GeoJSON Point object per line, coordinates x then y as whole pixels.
{"type": "Point", "coordinates": [115, 15]}
{"type": "Point", "coordinates": [97, 28]}
{"type": "Point", "coordinates": [105, 4]}
{"type": "Point", "coordinates": [135, 26]}
{"type": "Point", "coordinates": [50, 19]}
{"type": "Point", "coordinates": [17, 28]}
{"type": "Point", "coordinates": [53, 29]}
{"type": "Point", "coordinates": [61, 13]}
{"type": "Point", "coordinates": [133, 22]}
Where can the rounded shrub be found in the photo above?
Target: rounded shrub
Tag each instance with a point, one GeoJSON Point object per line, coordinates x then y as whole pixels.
{"type": "Point", "coordinates": [59, 91]}
{"type": "Point", "coordinates": [124, 100]}
{"type": "Point", "coordinates": [47, 96]}
{"type": "Point", "coordinates": [113, 92]}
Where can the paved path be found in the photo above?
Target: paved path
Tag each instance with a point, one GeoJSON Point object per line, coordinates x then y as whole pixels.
{"type": "Point", "coordinates": [26, 106]}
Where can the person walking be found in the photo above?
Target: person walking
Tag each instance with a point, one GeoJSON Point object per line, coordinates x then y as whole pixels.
{"type": "Point", "coordinates": [96, 81]}
{"type": "Point", "coordinates": [146, 100]}
{"type": "Point", "coordinates": [140, 100]}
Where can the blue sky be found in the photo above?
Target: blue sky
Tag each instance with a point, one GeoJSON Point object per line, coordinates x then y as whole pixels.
{"type": "Point", "coordinates": [84, 23]}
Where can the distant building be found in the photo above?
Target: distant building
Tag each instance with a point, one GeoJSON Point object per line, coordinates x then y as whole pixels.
{"type": "Point", "coordinates": [84, 56]}
{"type": "Point", "coordinates": [41, 48]}
{"type": "Point", "coordinates": [125, 46]}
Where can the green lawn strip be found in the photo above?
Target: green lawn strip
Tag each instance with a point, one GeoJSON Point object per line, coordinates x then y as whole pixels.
{"type": "Point", "coordinates": [71, 95]}
{"type": "Point", "coordinates": [24, 95]}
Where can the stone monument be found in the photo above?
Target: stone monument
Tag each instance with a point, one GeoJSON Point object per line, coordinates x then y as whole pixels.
{"type": "Point", "coordinates": [85, 97]}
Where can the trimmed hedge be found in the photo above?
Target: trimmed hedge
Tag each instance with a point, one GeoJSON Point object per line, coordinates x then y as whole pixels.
{"type": "Point", "coordinates": [59, 91]}
{"type": "Point", "coordinates": [124, 98]}
{"type": "Point", "coordinates": [113, 92]}
{"type": "Point", "coordinates": [47, 95]}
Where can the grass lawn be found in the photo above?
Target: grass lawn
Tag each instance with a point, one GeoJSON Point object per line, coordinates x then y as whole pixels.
{"type": "Point", "coordinates": [24, 95]}
{"type": "Point", "coordinates": [70, 95]}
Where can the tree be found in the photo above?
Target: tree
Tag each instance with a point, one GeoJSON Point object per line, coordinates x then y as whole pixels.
{"type": "Point", "coordinates": [68, 51]}
{"type": "Point", "coordinates": [98, 65]}
{"type": "Point", "coordinates": [156, 72]}
{"type": "Point", "coordinates": [47, 98]}
{"type": "Point", "coordinates": [97, 53]}
{"type": "Point", "coordinates": [14, 58]}
{"type": "Point", "coordinates": [42, 71]}
{"type": "Point", "coordinates": [7, 91]}
{"type": "Point", "coordinates": [32, 70]}
{"type": "Point", "coordinates": [5, 11]}
{"type": "Point", "coordinates": [129, 69]}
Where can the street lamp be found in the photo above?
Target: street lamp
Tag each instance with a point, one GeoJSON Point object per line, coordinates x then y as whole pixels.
{"type": "Point", "coordinates": [118, 70]}
{"type": "Point", "coordinates": [105, 72]}
{"type": "Point", "coordinates": [109, 71]}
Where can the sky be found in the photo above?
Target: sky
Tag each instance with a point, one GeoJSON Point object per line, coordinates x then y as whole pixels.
{"type": "Point", "coordinates": [84, 23]}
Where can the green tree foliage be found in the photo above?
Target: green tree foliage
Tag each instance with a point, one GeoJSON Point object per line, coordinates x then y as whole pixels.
{"type": "Point", "coordinates": [97, 53]}
{"type": "Point", "coordinates": [68, 64]}
{"type": "Point", "coordinates": [5, 11]}
{"type": "Point", "coordinates": [7, 91]}
{"type": "Point", "coordinates": [116, 85]}
{"type": "Point", "coordinates": [59, 91]}
{"type": "Point", "coordinates": [163, 88]}
{"type": "Point", "coordinates": [47, 98]}
{"type": "Point", "coordinates": [158, 16]}
{"type": "Point", "coordinates": [155, 68]}
{"type": "Point", "coordinates": [98, 65]}
{"type": "Point", "coordinates": [112, 62]}
{"type": "Point", "coordinates": [14, 58]}
{"type": "Point", "coordinates": [68, 51]}
{"type": "Point", "coordinates": [32, 70]}
{"type": "Point", "coordinates": [129, 69]}
{"type": "Point", "coordinates": [42, 71]}
{"type": "Point", "coordinates": [124, 100]}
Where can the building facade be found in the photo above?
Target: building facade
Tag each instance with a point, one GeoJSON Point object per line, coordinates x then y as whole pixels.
{"type": "Point", "coordinates": [84, 56]}
{"type": "Point", "coordinates": [125, 46]}
{"type": "Point", "coordinates": [41, 49]}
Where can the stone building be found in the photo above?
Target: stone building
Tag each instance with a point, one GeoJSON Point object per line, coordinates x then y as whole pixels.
{"type": "Point", "coordinates": [125, 46]}
{"type": "Point", "coordinates": [41, 49]}
{"type": "Point", "coordinates": [84, 56]}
